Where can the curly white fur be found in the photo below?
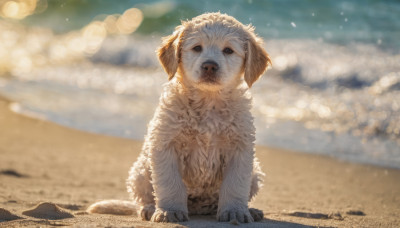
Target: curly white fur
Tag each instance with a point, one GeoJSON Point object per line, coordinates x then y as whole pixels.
{"type": "Point", "coordinates": [198, 155]}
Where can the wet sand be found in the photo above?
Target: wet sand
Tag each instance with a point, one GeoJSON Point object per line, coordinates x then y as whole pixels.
{"type": "Point", "coordinates": [50, 174]}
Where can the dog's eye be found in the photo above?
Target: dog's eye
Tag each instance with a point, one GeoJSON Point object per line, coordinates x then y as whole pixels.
{"type": "Point", "coordinates": [228, 51]}
{"type": "Point", "coordinates": [198, 48]}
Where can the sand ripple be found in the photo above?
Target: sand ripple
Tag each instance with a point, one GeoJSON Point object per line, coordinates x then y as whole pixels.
{"type": "Point", "coordinates": [6, 215]}
{"type": "Point", "coordinates": [48, 211]}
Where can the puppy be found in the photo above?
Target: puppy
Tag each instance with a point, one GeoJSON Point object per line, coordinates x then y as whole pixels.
{"type": "Point", "coordinates": [198, 155]}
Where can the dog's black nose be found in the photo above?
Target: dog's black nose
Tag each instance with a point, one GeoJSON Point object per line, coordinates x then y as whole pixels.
{"type": "Point", "coordinates": [209, 66]}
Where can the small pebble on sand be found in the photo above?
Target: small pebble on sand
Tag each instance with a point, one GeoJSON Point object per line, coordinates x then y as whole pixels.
{"type": "Point", "coordinates": [355, 212]}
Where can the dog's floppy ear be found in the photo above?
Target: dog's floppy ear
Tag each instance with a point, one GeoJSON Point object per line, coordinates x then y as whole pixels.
{"type": "Point", "coordinates": [168, 52]}
{"type": "Point", "coordinates": [257, 59]}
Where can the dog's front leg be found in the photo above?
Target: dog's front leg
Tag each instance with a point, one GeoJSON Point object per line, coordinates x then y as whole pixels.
{"type": "Point", "coordinates": [170, 191]}
{"type": "Point", "coordinates": [235, 189]}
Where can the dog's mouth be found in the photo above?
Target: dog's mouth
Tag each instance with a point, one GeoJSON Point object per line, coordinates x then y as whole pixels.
{"type": "Point", "coordinates": [209, 78]}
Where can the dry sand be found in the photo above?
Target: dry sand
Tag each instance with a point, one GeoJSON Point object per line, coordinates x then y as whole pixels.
{"type": "Point", "coordinates": [68, 169]}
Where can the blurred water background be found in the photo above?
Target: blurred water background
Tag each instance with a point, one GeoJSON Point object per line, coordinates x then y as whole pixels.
{"type": "Point", "coordinates": [334, 87]}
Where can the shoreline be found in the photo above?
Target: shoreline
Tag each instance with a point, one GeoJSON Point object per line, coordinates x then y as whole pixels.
{"type": "Point", "coordinates": [45, 162]}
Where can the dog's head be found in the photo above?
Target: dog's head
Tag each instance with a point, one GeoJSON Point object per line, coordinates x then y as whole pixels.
{"type": "Point", "coordinates": [213, 51]}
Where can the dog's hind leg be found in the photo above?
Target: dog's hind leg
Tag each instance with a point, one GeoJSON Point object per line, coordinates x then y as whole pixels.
{"type": "Point", "coordinates": [140, 188]}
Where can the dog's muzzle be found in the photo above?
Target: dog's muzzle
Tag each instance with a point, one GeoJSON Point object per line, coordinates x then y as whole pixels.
{"type": "Point", "coordinates": [209, 71]}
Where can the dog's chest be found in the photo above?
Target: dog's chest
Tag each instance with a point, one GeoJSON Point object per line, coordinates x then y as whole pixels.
{"type": "Point", "coordinates": [203, 146]}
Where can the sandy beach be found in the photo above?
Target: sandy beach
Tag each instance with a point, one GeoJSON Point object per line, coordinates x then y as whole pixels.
{"type": "Point", "coordinates": [49, 174]}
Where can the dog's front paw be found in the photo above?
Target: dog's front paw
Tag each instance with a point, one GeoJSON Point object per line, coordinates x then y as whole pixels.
{"type": "Point", "coordinates": [161, 215]}
{"type": "Point", "coordinates": [241, 215]}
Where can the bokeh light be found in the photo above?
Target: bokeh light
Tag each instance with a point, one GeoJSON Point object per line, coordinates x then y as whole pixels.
{"type": "Point", "coordinates": [19, 9]}
{"type": "Point", "coordinates": [23, 48]}
{"type": "Point", "coordinates": [129, 21]}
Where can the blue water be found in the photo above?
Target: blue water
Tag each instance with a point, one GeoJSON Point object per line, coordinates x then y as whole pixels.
{"type": "Point", "coordinates": [334, 88]}
{"type": "Point", "coordinates": [336, 21]}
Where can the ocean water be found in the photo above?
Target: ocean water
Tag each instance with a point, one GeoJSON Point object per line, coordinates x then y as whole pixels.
{"type": "Point", "coordinates": [334, 87]}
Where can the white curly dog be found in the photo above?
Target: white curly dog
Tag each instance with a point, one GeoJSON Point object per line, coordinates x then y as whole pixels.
{"type": "Point", "coordinates": [198, 155]}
